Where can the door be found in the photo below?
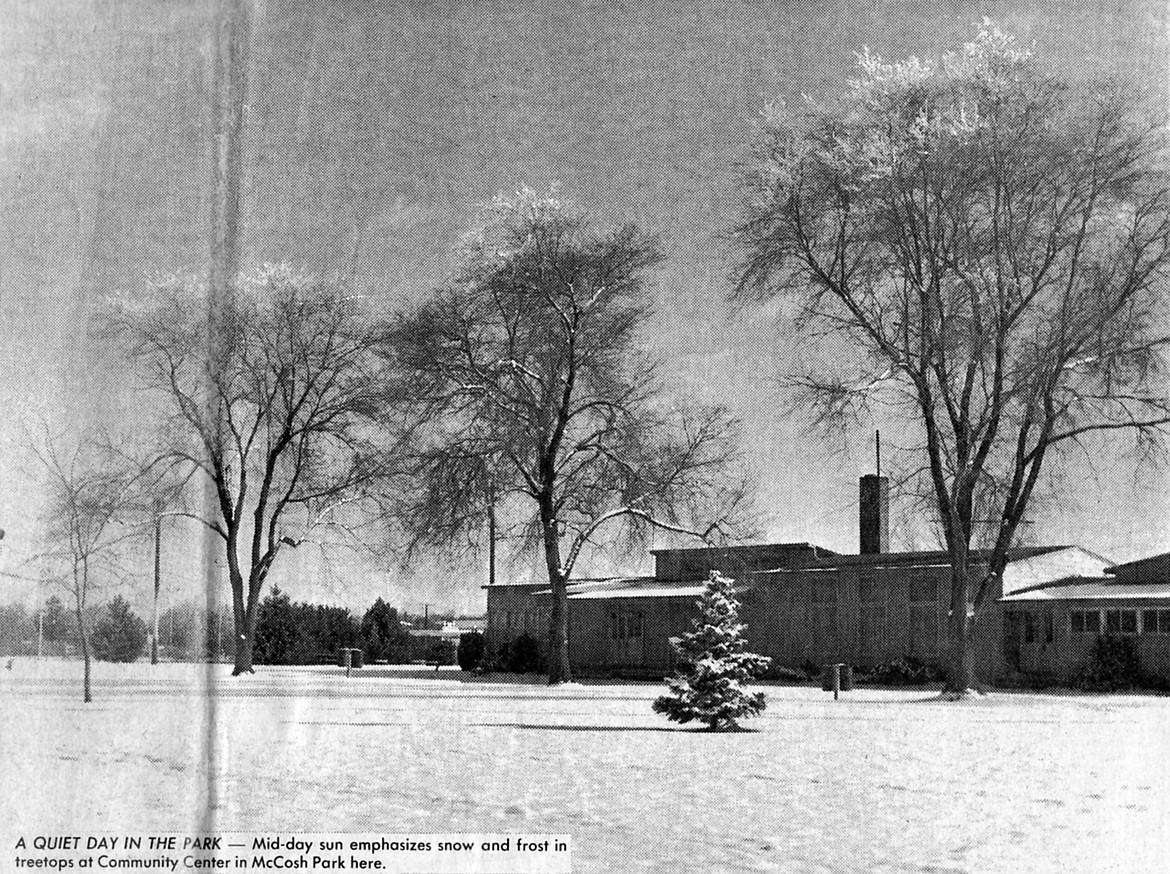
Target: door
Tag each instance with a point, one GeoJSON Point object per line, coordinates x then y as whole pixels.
{"type": "Point", "coordinates": [1012, 625]}
{"type": "Point", "coordinates": [627, 629]}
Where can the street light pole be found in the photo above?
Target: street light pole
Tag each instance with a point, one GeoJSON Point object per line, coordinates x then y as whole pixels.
{"type": "Point", "coordinates": [157, 583]}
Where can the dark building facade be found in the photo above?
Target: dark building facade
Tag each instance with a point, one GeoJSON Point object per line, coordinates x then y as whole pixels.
{"type": "Point", "coordinates": [804, 604]}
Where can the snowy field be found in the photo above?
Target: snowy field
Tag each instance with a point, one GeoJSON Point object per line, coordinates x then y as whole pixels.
{"type": "Point", "coordinates": [880, 781]}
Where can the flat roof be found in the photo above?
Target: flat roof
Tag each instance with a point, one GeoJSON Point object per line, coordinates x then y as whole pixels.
{"type": "Point", "coordinates": [746, 547]}
{"type": "Point", "coordinates": [926, 558]}
{"type": "Point", "coordinates": [668, 591]}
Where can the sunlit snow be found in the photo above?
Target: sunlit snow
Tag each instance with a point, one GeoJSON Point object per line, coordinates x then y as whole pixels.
{"type": "Point", "coordinates": [882, 780]}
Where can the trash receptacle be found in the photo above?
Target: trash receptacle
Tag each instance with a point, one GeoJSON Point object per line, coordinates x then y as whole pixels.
{"type": "Point", "coordinates": [343, 658]}
{"type": "Point", "coordinates": [846, 678]}
{"type": "Point", "coordinates": [829, 682]}
{"type": "Point", "coordinates": [836, 678]}
{"type": "Point", "coordinates": [358, 658]}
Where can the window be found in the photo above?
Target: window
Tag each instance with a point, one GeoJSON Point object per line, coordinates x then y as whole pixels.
{"type": "Point", "coordinates": [1085, 621]}
{"type": "Point", "coordinates": [635, 624]}
{"type": "Point", "coordinates": [624, 624]}
{"type": "Point", "coordinates": [1156, 622]}
{"type": "Point", "coordinates": [1029, 628]}
{"type": "Point", "coordinates": [1121, 621]}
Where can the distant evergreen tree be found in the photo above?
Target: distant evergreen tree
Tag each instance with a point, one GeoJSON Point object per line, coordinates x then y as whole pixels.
{"type": "Point", "coordinates": [276, 630]}
{"type": "Point", "coordinates": [57, 623]}
{"type": "Point", "coordinates": [471, 650]}
{"type": "Point", "coordinates": [713, 669]}
{"type": "Point", "coordinates": [119, 635]}
{"type": "Point", "coordinates": [18, 630]}
{"type": "Point", "coordinates": [383, 635]}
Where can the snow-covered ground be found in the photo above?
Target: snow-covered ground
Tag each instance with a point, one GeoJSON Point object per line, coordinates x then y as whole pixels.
{"type": "Point", "coordinates": [879, 781]}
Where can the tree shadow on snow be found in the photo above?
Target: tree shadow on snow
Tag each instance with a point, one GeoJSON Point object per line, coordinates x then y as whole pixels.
{"type": "Point", "coordinates": [639, 728]}
{"type": "Point", "coordinates": [532, 726]}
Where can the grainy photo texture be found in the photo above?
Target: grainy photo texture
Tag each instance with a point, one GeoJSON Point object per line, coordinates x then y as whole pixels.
{"type": "Point", "coordinates": [463, 436]}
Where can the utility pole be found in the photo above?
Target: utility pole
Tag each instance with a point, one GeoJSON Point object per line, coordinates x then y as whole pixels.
{"type": "Point", "coordinates": [492, 542]}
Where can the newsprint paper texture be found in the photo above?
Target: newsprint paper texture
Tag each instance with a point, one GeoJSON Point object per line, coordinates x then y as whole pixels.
{"type": "Point", "coordinates": [369, 364]}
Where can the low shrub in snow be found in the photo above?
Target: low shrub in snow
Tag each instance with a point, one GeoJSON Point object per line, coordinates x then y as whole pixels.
{"type": "Point", "coordinates": [524, 656]}
{"type": "Point", "coordinates": [1114, 667]}
{"type": "Point", "coordinates": [786, 674]}
{"type": "Point", "coordinates": [904, 671]}
{"type": "Point", "coordinates": [713, 670]}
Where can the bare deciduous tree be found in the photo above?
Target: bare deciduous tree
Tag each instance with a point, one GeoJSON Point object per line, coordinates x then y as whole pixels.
{"type": "Point", "coordinates": [989, 245]}
{"type": "Point", "coordinates": [529, 373]}
{"type": "Point", "coordinates": [93, 501]}
{"type": "Point", "coordinates": [292, 431]}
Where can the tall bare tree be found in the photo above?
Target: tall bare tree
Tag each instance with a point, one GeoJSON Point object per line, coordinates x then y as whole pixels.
{"type": "Point", "coordinates": [989, 244]}
{"type": "Point", "coordinates": [285, 422]}
{"type": "Point", "coordinates": [92, 509]}
{"type": "Point", "coordinates": [530, 375]}
{"type": "Point", "coordinates": [231, 51]}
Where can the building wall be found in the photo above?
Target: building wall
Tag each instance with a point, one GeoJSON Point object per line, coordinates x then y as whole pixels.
{"type": "Point", "coordinates": [1040, 639]}
{"type": "Point", "coordinates": [514, 610]}
{"type": "Point", "coordinates": [859, 614]}
{"type": "Point", "coordinates": [603, 640]}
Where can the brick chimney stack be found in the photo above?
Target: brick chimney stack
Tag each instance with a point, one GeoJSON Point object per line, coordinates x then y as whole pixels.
{"type": "Point", "coordinates": [875, 514]}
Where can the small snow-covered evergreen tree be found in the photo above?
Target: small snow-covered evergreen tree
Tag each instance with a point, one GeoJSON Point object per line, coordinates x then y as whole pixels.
{"type": "Point", "coordinates": [713, 669]}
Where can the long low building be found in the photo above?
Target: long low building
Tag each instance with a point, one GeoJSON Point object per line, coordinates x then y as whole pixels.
{"type": "Point", "coordinates": [807, 605]}
{"type": "Point", "coordinates": [1050, 630]}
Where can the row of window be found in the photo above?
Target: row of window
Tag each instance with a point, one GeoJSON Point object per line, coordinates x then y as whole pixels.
{"type": "Point", "coordinates": [923, 626]}
{"type": "Point", "coordinates": [626, 624]}
{"type": "Point", "coordinates": [1120, 621]}
{"type": "Point", "coordinates": [526, 619]}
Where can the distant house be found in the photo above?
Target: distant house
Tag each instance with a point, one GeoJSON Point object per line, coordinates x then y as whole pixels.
{"type": "Point", "coordinates": [453, 628]}
{"type": "Point", "coordinates": [804, 604]}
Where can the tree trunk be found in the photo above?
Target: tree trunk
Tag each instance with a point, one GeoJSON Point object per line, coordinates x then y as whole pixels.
{"type": "Point", "coordinates": [243, 660]}
{"type": "Point", "coordinates": [84, 638]}
{"type": "Point", "coordinates": [558, 637]}
{"type": "Point", "coordinates": [961, 662]}
{"type": "Point", "coordinates": [244, 616]}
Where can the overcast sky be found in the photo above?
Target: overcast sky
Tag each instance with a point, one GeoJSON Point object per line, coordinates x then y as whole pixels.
{"type": "Point", "coordinates": [375, 129]}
